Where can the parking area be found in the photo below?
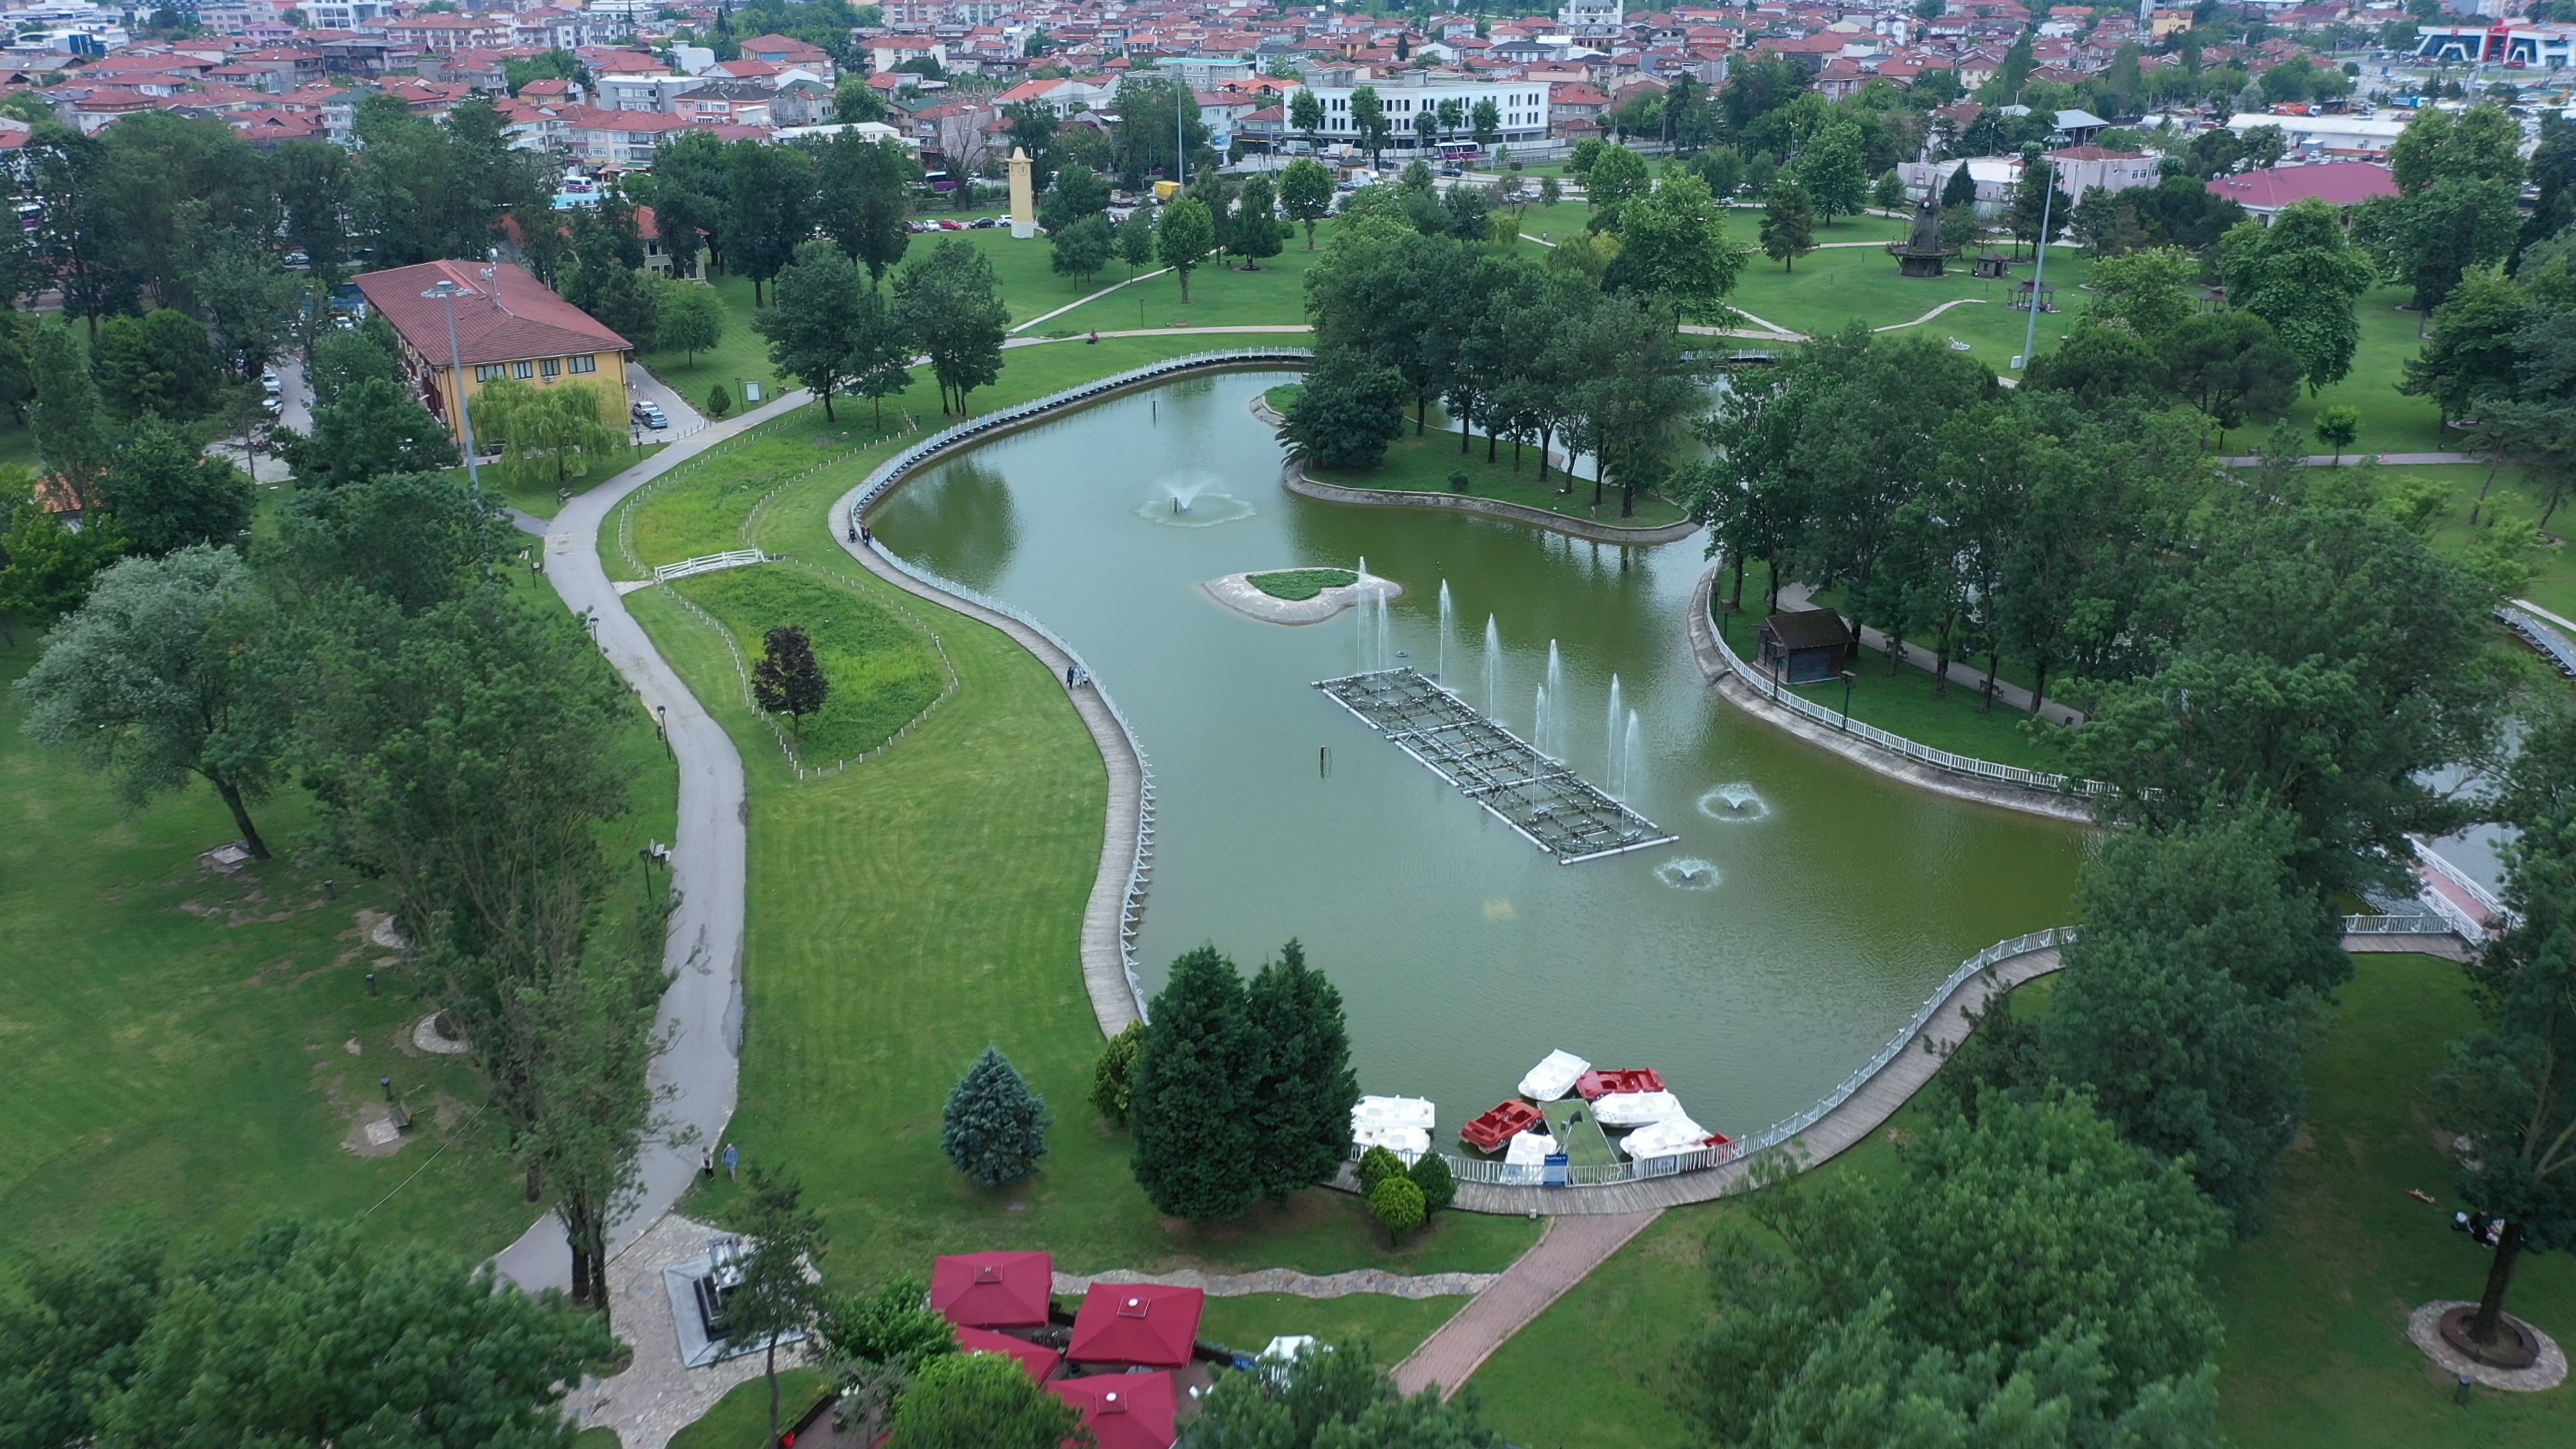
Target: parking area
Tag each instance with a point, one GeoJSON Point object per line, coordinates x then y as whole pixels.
{"type": "Point", "coordinates": [680, 418]}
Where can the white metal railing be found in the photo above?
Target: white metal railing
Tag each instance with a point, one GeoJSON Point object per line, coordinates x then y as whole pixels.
{"type": "Point", "coordinates": [2417, 925]}
{"type": "Point", "coordinates": [902, 465]}
{"type": "Point", "coordinates": [2547, 640]}
{"type": "Point", "coordinates": [708, 563]}
{"type": "Point", "coordinates": [1898, 744]}
{"type": "Point", "coordinates": [1483, 1170]}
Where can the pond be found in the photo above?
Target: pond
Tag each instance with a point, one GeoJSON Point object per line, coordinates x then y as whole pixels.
{"type": "Point", "coordinates": [1805, 910]}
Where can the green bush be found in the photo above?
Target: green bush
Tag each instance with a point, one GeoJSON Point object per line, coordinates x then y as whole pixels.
{"type": "Point", "coordinates": [1376, 1166]}
{"type": "Point", "coordinates": [719, 401]}
{"type": "Point", "coordinates": [1298, 585]}
{"type": "Point", "coordinates": [1399, 1205]}
{"type": "Point", "coordinates": [1112, 1089]}
{"type": "Point", "coordinates": [1439, 1185]}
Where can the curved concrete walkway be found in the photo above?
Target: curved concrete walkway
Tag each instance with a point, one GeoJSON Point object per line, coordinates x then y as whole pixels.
{"type": "Point", "coordinates": [1583, 1236]}
{"type": "Point", "coordinates": [703, 1007]}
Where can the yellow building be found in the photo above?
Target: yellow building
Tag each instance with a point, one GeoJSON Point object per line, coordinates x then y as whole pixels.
{"type": "Point", "coordinates": [506, 324]}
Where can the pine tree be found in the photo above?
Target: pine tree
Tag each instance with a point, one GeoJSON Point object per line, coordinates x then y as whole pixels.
{"type": "Point", "coordinates": [1191, 1110]}
{"type": "Point", "coordinates": [1302, 1103]}
{"type": "Point", "coordinates": [995, 1127]}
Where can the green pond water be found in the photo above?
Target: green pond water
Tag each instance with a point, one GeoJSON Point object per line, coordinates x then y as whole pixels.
{"type": "Point", "coordinates": [1755, 961]}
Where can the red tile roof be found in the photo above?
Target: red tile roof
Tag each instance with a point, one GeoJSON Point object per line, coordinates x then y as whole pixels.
{"type": "Point", "coordinates": [992, 1290]}
{"type": "Point", "coordinates": [2338, 183]}
{"type": "Point", "coordinates": [509, 317]}
{"type": "Point", "coordinates": [1152, 1325]}
{"type": "Point", "coordinates": [1124, 1411]}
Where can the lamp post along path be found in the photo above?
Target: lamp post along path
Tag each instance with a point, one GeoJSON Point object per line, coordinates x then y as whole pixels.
{"type": "Point", "coordinates": [447, 292]}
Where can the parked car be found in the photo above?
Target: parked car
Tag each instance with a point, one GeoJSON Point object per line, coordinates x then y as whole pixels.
{"type": "Point", "coordinates": [984, 223]}
{"type": "Point", "coordinates": [650, 415]}
{"type": "Point", "coordinates": [270, 383]}
{"type": "Point", "coordinates": [947, 224]}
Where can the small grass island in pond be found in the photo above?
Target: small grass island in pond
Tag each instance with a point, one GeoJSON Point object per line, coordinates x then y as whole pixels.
{"type": "Point", "coordinates": [1299, 585]}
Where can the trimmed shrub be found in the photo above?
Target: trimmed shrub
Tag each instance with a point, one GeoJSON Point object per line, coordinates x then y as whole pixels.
{"type": "Point", "coordinates": [1439, 1185]}
{"type": "Point", "coordinates": [1112, 1085]}
{"type": "Point", "coordinates": [1376, 1166]}
{"type": "Point", "coordinates": [1399, 1205]}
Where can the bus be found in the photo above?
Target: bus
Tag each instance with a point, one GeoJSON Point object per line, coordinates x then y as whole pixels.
{"type": "Point", "coordinates": [1460, 151]}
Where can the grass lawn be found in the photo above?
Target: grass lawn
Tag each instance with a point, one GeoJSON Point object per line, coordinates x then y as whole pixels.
{"type": "Point", "coordinates": [2316, 1307]}
{"type": "Point", "coordinates": [2391, 422]}
{"type": "Point", "coordinates": [185, 1051]}
{"type": "Point", "coordinates": [1393, 1326]}
{"type": "Point", "coordinates": [740, 1420]}
{"type": "Point", "coordinates": [537, 497]}
{"type": "Point", "coordinates": [1423, 465]}
{"type": "Point", "coordinates": [917, 907]}
{"type": "Point", "coordinates": [880, 661]}
{"type": "Point", "coordinates": [1904, 704]}
{"type": "Point", "coordinates": [1830, 288]}
{"type": "Point", "coordinates": [740, 354]}
{"type": "Point", "coordinates": [2554, 587]}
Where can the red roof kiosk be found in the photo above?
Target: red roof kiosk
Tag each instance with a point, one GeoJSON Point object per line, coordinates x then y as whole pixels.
{"type": "Point", "coordinates": [1137, 1325]}
{"type": "Point", "coordinates": [1037, 1358]}
{"type": "Point", "coordinates": [1124, 1411]}
{"type": "Point", "coordinates": [993, 1290]}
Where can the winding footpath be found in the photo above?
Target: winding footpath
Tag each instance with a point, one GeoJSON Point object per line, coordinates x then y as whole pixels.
{"type": "Point", "coordinates": [702, 1009]}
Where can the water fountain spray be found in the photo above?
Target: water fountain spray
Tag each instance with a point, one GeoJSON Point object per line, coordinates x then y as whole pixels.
{"type": "Point", "coordinates": [1610, 732]}
{"type": "Point", "coordinates": [1493, 669]}
{"type": "Point", "coordinates": [1448, 626]}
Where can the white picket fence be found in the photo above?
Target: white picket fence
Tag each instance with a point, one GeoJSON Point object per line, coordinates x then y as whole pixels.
{"type": "Point", "coordinates": [1898, 744]}
{"type": "Point", "coordinates": [708, 563]}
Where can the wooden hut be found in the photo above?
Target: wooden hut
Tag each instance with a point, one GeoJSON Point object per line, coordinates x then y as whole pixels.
{"type": "Point", "coordinates": [1806, 647]}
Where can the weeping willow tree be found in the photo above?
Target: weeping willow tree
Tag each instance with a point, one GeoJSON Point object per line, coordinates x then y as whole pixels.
{"type": "Point", "coordinates": [558, 432]}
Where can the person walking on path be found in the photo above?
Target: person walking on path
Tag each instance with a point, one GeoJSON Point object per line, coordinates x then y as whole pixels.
{"type": "Point", "coordinates": [733, 1162]}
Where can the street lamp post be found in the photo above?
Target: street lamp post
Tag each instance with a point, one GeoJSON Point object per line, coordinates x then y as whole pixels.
{"type": "Point", "coordinates": [446, 292]}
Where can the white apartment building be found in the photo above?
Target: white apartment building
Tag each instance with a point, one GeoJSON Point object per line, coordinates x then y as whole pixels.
{"type": "Point", "coordinates": [1520, 106]}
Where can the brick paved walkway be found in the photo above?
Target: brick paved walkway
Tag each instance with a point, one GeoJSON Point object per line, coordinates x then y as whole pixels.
{"type": "Point", "coordinates": [1572, 1247]}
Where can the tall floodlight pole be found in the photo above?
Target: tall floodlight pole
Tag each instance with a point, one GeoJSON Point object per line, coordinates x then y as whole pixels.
{"type": "Point", "coordinates": [2038, 267]}
{"type": "Point", "coordinates": [446, 292]}
{"type": "Point", "coordinates": [1180, 138]}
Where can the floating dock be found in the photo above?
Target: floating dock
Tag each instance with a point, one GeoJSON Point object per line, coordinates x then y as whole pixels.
{"type": "Point", "coordinates": [1552, 807]}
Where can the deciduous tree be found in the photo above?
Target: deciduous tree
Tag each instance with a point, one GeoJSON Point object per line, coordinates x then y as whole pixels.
{"type": "Point", "coordinates": [950, 305]}
{"type": "Point", "coordinates": [787, 679]}
{"type": "Point", "coordinates": [1184, 238]}
{"type": "Point", "coordinates": [148, 681]}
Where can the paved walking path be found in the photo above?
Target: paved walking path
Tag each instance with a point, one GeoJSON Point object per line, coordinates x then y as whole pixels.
{"type": "Point", "coordinates": [1571, 1248]}
{"type": "Point", "coordinates": [1935, 312]}
{"type": "Point", "coordinates": [1801, 596]}
{"type": "Point", "coordinates": [1291, 1282]}
{"type": "Point", "coordinates": [1249, 328]}
{"type": "Point", "coordinates": [2347, 460]}
{"type": "Point", "coordinates": [1094, 297]}
{"type": "Point", "coordinates": [1581, 1238]}
{"type": "Point", "coordinates": [703, 1006]}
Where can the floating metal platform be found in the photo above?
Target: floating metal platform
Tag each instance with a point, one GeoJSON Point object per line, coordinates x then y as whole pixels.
{"type": "Point", "coordinates": [1552, 807]}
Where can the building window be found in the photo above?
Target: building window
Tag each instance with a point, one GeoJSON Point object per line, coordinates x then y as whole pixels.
{"type": "Point", "coordinates": [585, 363]}
{"type": "Point", "coordinates": [490, 372]}
{"type": "Point", "coordinates": [524, 370]}
{"type": "Point", "coordinates": [551, 368]}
